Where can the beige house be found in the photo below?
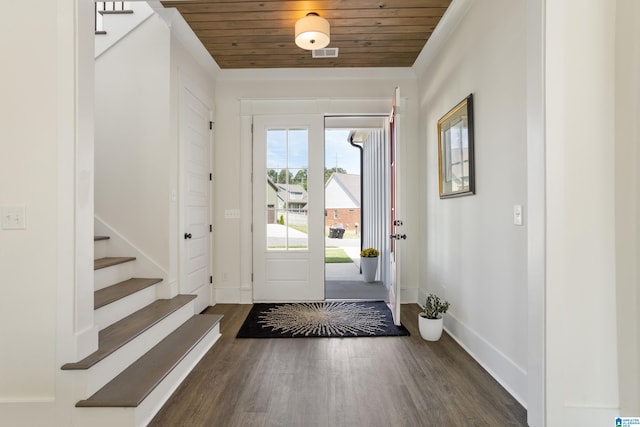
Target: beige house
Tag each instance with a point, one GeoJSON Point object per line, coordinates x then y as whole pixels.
{"type": "Point", "coordinates": [342, 201]}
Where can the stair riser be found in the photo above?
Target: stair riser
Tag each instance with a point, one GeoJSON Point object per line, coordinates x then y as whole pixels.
{"type": "Point", "coordinates": [105, 370]}
{"type": "Point", "coordinates": [104, 417]}
{"type": "Point", "coordinates": [143, 414]}
{"type": "Point", "coordinates": [111, 313]}
{"type": "Point", "coordinates": [100, 249]}
{"type": "Point", "coordinates": [111, 275]}
{"type": "Point", "coordinates": [158, 397]}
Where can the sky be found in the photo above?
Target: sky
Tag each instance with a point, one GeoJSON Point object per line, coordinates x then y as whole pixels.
{"type": "Point", "coordinates": [337, 147]}
{"type": "Point", "coordinates": [337, 150]}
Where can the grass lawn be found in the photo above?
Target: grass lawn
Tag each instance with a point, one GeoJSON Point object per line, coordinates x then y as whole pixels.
{"type": "Point", "coordinates": [302, 228]}
{"type": "Point", "coordinates": [333, 255]}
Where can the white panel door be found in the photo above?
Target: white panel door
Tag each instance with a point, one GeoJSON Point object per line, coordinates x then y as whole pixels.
{"type": "Point", "coordinates": [288, 209]}
{"type": "Point", "coordinates": [394, 221]}
{"type": "Point", "coordinates": [195, 232]}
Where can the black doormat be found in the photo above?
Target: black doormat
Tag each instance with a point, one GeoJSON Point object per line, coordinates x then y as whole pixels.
{"type": "Point", "coordinates": [320, 319]}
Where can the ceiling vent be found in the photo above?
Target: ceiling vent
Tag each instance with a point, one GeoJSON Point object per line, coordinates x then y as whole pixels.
{"type": "Point", "coordinates": [327, 52]}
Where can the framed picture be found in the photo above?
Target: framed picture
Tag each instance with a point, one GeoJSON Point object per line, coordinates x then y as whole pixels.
{"type": "Point", "coordinates": [455, 151]}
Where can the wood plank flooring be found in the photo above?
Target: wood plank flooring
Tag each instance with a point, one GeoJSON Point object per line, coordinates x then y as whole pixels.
{"type": "Point", "coordinates": [382, 381]}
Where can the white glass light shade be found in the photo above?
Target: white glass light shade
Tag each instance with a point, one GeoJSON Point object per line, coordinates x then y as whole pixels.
{"type": "Point", "coordinates": [312, 32]}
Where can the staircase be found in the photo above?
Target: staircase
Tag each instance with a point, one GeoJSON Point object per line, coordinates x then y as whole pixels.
{"type": "Point", "coordinates": [146, 346]}
{"type": "Point", "coordinates": [115, 19]}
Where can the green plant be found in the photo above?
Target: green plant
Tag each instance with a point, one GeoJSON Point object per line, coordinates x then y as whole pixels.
{"type": "Point", "coordinates": [281, 221]}
{"type": "Point", "coordinates": [369, 253]}
{"type": "Point", "coordinates": [434, 307]}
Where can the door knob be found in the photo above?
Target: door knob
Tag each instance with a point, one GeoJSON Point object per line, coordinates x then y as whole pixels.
{"type": "Point", "coordinates": [187, 235]}
{"type": "Point", "coordinates": [399, 236]}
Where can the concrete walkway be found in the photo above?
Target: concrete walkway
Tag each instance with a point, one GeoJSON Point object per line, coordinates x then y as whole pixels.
{"type": "Point", "coordinates": [277, 233]}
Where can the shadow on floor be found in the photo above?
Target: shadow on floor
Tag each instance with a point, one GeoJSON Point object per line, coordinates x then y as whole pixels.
{"type": "Point", "coordinates": [344, 282]}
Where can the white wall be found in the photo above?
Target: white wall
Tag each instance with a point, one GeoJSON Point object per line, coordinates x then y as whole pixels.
{"type": "Point", "coordinates": [188, 70]}
{"type": "Point", "coordinates": [191, 67]}
{"type": "Point", "coordinates": [627, 197]}
{"type": "Point", "coordinates": [340, 90]}
{"type": "Point", "coordinates": [583, 213]}
{"type": "Point", "coordinates": [46, 166]}
{"type": "Point", "coordinates": [137, 134]}
{"type": "Point", "coordinates": [29, 153]}
{"type": "Point", "coordinates": [132, 146]}
{"type": "Point", "coordinates": [472, 254]}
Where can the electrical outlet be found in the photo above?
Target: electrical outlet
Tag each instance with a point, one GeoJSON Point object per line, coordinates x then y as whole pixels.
{"type": "Point", "coordinates": [13, 218]}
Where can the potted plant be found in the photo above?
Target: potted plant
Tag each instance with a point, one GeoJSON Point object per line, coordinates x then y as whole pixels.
{"type": "Point", "coordinates": [430, 320]}
{"type": "Point", "coordinates": [369, 264]}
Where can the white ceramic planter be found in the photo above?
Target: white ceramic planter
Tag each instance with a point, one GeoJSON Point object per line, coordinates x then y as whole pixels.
{"type": "Point", "coordinates": [369, 267]}
{"type": "Point", "coordinates": [430, 329]}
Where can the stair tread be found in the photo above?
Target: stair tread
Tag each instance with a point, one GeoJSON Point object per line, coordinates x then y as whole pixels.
{"type": "Point", "coordinates": [117, 335]}
{"type": "Point", "coordinates": [120, 290]}
{"type": "Point", "coordinates": [110, 261]}
{"type": "Point", "coordinates": [132, 385]}
{"type": "Point", "coordinates": [96, 238]}
{"type": "Point", "coordinates": [116, 12]}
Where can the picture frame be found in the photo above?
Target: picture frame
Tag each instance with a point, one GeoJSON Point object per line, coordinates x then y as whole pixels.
{"type": "Point", "coordinates": [456, 169]}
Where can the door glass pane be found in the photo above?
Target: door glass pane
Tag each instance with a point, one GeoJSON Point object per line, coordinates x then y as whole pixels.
{"type": "Point", "coordinates": [286, 213]}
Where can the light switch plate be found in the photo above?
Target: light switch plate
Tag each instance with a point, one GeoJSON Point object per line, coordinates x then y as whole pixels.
{"type": "Point", "coordinates": [232, 213]}
{"type": "Point", "coordinates": [13, 218]}
{"type": "Point", "coordinates": [517, 214]}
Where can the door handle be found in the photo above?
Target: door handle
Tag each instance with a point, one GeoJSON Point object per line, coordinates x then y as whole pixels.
{"type": "Point", "coordinates": [398, 222]}
{"type": "Point", "coordinates": [187, 235]}
{"type": "Point", "coordinates": [399, 236]}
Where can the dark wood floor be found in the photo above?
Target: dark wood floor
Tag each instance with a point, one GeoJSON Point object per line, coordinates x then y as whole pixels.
{"type": "Point", "coordinates": [384, 381]}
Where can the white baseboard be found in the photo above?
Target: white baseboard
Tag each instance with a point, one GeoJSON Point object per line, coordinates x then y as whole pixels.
{"type": "Point", "coordinates": [28, 413]}
{"type": "Point", "coordinates": [227, 295]}
{"type": "Point", "coordinates": [408, 296]}
{"type": "Point", "coordinates": [87, 340]}
{"type": "Point", "coordinates": [246, 296]}
{"type": "Point", "coordinates": [166, 289]}
{"type": "Point", "coordinates": [510, 376]}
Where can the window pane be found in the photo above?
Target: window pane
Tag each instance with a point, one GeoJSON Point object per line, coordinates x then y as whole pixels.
{"type": "Point", "coordinates": [276, 148]}
{"type": "Point", "coordinates": [286, 207]}
{"type": "Point", "coordinates": [298, 148]}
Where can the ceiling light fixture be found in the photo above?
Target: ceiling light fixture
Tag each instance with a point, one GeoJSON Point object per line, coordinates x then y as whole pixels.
{"type": "Point", "coordinates": [312, 32]}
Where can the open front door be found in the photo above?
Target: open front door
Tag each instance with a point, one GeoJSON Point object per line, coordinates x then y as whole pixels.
{"type": "Point", "coordinates": [395, 222]}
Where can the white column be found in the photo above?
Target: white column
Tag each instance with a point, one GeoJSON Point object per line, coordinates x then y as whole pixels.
{"type": "Point", "coordinates": [581, 344]}
{"type": "Point", "coordinates": [536, 214]}
{"type": "Point", "coordinates": [627, 192]}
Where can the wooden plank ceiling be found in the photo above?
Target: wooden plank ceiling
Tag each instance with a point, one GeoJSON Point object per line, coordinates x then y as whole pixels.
{"type": "Point", "coordinates": [259, 34]}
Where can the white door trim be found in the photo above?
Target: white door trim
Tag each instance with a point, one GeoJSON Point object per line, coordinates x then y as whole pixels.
{"type": "Point", "coordinates": [249, 108]}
